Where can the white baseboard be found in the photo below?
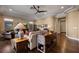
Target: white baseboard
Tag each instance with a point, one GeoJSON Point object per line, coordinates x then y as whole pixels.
{"type": "Point", "coordinates": [72, 38]}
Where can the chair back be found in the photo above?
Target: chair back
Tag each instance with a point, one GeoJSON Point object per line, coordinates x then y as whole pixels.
{"type": "Point", "coordinates": [41, 39]}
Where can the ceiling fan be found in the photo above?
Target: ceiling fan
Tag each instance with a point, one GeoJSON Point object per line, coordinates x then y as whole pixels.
{"type": "Point", "coordinates": [37, 9]}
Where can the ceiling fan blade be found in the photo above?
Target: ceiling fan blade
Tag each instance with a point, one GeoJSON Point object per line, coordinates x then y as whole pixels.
{"type": "Point", "coordinates": [42, 11]}
{"type": "Point", "coordinates": [38, 7]}
{"type": "Point", "coordinates": [36, 13]}
{"type": "Point", "coordinates": [35, 8]}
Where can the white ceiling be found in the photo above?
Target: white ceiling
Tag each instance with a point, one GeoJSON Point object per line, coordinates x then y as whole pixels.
{"type": "Point", "coordinates": [25, 12]}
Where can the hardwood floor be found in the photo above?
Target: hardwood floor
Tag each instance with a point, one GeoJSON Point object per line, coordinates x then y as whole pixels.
{"type": "Point", "coordinates": [64, 45]}
{"type": "Point", "coordinates": [5, 47]}
{"type": "Point", "coordinates": [67, 45]}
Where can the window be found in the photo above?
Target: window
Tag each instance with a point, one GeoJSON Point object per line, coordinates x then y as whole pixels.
{"type": "Point", "coordinates": [8, 23]}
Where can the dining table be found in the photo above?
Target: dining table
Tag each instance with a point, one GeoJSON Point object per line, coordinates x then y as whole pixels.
{"type": "Point", "coordinates": [21, 45]}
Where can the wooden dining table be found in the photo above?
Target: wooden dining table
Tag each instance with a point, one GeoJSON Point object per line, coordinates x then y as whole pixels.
{"type": "Point", "coordinates": [21, 45]}
{"type": "Point", "coordinates": [17, 40]}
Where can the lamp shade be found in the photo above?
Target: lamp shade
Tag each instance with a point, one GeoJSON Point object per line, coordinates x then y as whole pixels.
{"type": "Point", "coordinates": [20, 26]}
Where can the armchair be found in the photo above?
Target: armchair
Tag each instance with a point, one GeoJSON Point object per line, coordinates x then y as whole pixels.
{"type": "Point", "coordinates": [32, 41]}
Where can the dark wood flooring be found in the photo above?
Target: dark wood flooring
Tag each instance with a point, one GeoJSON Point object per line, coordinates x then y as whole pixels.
{"type": "Point", "coordinates": [64, 45]}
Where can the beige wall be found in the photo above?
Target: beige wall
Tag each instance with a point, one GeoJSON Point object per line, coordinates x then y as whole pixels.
{"type": "Point", "coordinates": [49, 21]}
{"type": "Point", "coordinates": [52, 22]}
{"type": "Point", "coordinates": [72, 24]}
{"type": "Point", "coordinates": [1, 24]}
{"type": "Point", "coordinates": [57, 25]}
{"type": "Point", "coordinates": [78, 26]}
{"type": "Point", "coordinates": [15, 21]}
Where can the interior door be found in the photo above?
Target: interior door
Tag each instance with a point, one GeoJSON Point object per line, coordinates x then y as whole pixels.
{"type": "Point", "coordinates": [63, 26]}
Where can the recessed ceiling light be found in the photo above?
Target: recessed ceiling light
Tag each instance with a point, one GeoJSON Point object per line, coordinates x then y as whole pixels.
{"type": "Point", "coordinates": [62, 7]}
{"type": "Point", "coordinates": [10, 10]}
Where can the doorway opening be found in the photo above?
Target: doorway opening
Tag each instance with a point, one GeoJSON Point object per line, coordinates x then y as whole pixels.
{"type": "Point", "coordinates": [63, 25]}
